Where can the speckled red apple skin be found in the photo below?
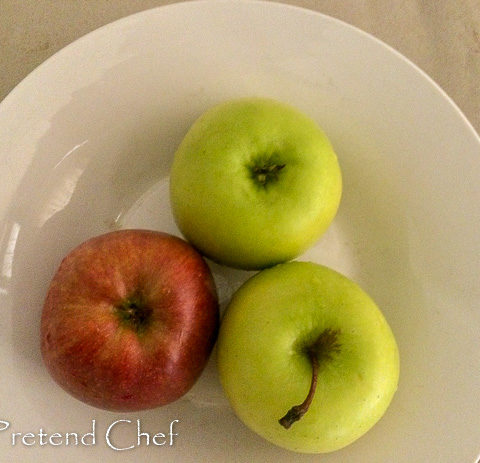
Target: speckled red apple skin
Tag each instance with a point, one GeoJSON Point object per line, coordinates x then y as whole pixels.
{"type": "Point", "coordinates": [101, 361]}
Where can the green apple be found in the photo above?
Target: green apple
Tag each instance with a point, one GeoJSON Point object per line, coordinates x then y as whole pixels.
{"type": "Point", "coordinates": [254, 183]}
{"type": "Point", "coordinates": [306, 358]}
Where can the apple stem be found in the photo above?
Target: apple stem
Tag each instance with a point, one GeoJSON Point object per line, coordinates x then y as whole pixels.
{"type": "Point", "coordinates": [297, 411]}
{"type": "Point", "coordinates": [267, 172]}
{"type": "Point", "coordinates": [133, 312]}
{"type": "Point", "coordinates": [320, 351]}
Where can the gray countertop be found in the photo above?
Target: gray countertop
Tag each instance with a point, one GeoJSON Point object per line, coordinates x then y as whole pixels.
{"type": "Point", "coordinates": [441, 36]}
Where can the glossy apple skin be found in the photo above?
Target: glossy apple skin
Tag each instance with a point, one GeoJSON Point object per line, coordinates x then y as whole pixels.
{"type": "Point", "coordinates": [220, 206]}
{"type": "Point", "coordinates": [264, 369]}
{"type": "Point", "coordinates": [98, 358]}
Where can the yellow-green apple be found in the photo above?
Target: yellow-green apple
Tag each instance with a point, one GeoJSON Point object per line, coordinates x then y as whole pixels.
{"type": "Point", "coordinates": [306, 358]}
{"type": "Point", "coordinates": [254, 182]}
{"type": "Point", "coordinates": [129, 320]}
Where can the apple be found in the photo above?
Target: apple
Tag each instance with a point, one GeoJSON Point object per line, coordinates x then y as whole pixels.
{"type": "Point", "coordinates": [306, 358]}
{"type": "Point", "coordinates": [255, 182]}
{"type": "Point", "coordinates": [129, 320]}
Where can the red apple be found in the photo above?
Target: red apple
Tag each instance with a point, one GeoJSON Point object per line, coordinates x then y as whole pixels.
{"type": "Point", "coordinates": [129, 320]}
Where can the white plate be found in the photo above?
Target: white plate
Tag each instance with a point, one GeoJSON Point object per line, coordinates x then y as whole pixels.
{"type": "Point", "coordinates": [86, 142]}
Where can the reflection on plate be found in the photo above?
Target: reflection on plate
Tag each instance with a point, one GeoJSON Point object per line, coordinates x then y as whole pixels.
{"type": "Point", "coordinates": [86, 143]}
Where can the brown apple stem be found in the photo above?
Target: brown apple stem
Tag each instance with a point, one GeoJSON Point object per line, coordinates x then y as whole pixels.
{"type": "Point", "coordinates": [297, 411]}
{"type": "Point", "coordinates": [321, 351]}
